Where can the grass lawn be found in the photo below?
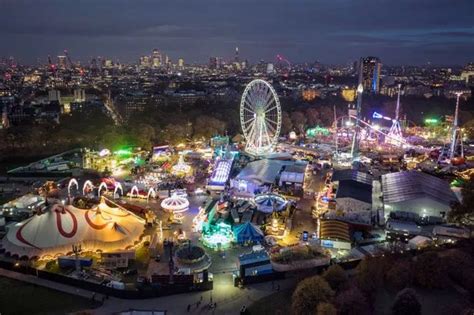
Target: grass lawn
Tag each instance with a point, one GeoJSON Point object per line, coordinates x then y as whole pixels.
{"type": "Point", "coordinates": [273, 304]}
{"type": "Point", "coordinates": [17, 297]}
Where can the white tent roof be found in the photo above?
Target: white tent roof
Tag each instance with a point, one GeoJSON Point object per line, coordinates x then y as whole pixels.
{"type": "Point", "coordinates": [55, 231]}
{"type": "Point", "coordinates": [175, 203]}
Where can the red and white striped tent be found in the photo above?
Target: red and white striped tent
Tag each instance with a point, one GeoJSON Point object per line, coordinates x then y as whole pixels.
{"type": "Point", "coordinates": [53, 232]}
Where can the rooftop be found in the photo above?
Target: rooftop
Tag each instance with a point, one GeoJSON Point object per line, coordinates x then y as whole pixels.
{"type": "Point", "coordinates": [349, 174]}
{"type": "Point", "coordinates": [403, 186]}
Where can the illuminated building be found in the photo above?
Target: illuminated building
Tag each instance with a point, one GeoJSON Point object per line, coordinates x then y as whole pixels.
{"type": "Point", "coordinates": [348, 95]}
{"type": "Point", "coordinates": [145, 61]}
{"type": "Point", "coordinates": [467, 75]}
{"type": "Point", "coordinates": [371, 74]}
{"type": "Point", "coordinates": [156, 59]}
{"type": "Point", "coordinates": [310, 94]}
{"type": "Point", "coordinates": [79, 95]}
{"type": "Point", "coordinates": [180, 63]}
{"type": "Point", "coordinates": [236, 58]}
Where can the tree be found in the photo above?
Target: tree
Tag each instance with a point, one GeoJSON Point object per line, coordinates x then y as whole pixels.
{"type": "Point", "coordinates": [175, 134]}
{"type": "Point", "coordinates": [309, 293]}
{"type": "Point", "coordinates": [327, 115]}
{"type": "Point", "coordinates": [457, 262]}
{"type": "Point", "coordinates": [370, 273]}
{"type": "Point", "coordinates": [206, 127]}
{"type": "Point", "coordinates": [286, 124]}
{"type": "Point", "coordinates": [326, 309]}
{"type": "Point", "coordinates": [299, 120]}
{"type": "Point", "coordinates": [406, 303]}
{"type": "Point", "coordinates": [312, 116]}
{"type": "Point", "coordinates": [400, 275]}
{"type": "Point", "coordinates": [144, 135]}
{"type": "Point", "coordinates": [335, 276]}
{"type": "Point", "coordinates": [429, 273]}
{"type": "Point", "coordinates": [463, 212]}
{"type": "Point", "coordinates": [352, 302]}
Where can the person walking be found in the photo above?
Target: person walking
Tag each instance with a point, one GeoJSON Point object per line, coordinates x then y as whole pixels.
{"type": "Point", "coordinates": [189, 307]}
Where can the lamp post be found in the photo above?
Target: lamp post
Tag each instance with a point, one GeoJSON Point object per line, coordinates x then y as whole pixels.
{"type": "Point", "coordinates": [77, 249]}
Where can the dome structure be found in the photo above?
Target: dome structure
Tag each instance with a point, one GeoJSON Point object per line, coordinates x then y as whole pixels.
{"type": "Point", "coordinates": [267, 203]}
{"type": "Point", "coordinates": [53, 232]}
{"type": "Point", "coordinates": [175, 204]}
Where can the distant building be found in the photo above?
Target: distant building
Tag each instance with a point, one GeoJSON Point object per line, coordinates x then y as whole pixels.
{"type": "Point", "coordinates": [467, 75]}
{"type": "Point", "coordinates": [214, 63]}
{"type": "Point", "coordinates": [54, 96]}
{"type": "Point", "coordinates": [180, 63]}
{"type": "Point", "coordinates": [62, 62]}
{"type": "Point", "coordinates": [79, 95]}
{"type": "Point", "coordinates": [371, 74]}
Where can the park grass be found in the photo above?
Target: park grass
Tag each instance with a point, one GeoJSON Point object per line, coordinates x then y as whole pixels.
{"type": "Point", "coordinates": [273, 304]}
{"type": "Point", "coordinates": [17, 297]}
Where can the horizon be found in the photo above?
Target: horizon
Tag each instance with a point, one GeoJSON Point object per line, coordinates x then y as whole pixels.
{"type": "Point", "coordinates": [399, 33]}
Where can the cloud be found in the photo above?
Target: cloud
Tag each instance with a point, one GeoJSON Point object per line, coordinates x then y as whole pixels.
{"type": "Point", "coordinates": [332, 31]}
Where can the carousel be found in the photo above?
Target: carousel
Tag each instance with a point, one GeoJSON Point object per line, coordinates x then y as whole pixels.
{"type": "Point", "coordinates": [270, 202]}
{"type": "Point", "coordinates": [181, 168]}
{"type": "Point", "coordinates": [175, 205]}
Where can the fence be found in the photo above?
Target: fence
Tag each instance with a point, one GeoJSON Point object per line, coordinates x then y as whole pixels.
{"type": "Point", "coordinates": [140, 293]}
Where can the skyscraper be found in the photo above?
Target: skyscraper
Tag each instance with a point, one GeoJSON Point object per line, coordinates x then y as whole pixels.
{"type": "Point", "coordinates": [371, 74]}
{"type": "Point", "coordinates": [236, 54]}
{"type": "Point", "coordinates": [214, 63]}
{"type": "Point", "coordinates": [62, 62]}
{"type": "Point", "coordinates": [156, 59]}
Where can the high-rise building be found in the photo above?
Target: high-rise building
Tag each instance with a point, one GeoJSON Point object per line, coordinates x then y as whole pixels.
{"type": "Point", "coordinates": [236, 54]}
{"type": "Point", "coordinates": [145, 61]}
{"type": "Point", "coordinates": [156, 59]}
{"type": "Point", "coordinates": [62, 62]}
{"type": "Point", "coordinates": [214, 63]}
{"type": "Point", "coordinates": [371, 74]}
{"type": "Point", "coordinates": [181, 63]}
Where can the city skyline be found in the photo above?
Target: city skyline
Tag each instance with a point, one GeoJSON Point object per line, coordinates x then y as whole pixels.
{"type": "Point", "coordinates": [405, 32]}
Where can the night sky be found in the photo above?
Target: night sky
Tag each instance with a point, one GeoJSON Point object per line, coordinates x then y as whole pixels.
{"type": "Point", "coordinates": [331, 31]}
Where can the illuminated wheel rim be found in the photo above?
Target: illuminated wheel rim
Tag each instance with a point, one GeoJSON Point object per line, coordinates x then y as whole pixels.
{"type": "Point", "coordinates": [260, 117]}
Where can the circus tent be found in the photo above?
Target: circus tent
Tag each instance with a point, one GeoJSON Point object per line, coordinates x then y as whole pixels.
{"type": "Point", "coordinates": [54, 232]}
{"type": "Point", "coordinates": [247, 232]}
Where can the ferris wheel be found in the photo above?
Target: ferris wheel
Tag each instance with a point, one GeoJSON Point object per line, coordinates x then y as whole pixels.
{"type": "Point", "coordinates": [260, 117]}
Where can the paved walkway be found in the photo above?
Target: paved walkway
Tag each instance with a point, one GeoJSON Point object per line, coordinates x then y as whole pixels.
{"type": "Point", "coordinates": [228, 298]}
